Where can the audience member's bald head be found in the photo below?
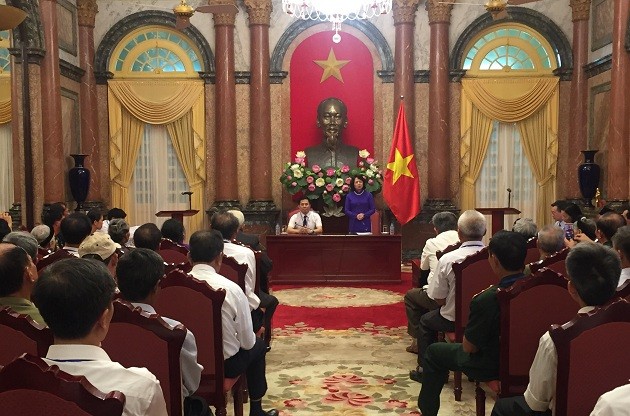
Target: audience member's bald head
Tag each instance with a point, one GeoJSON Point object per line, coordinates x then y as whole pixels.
{"type": "Point", "coordinates": [550, 240]}
{"type": "Point", "coordinates": [147, 236]}
{"type": "Point", "coordinates": [225, 223]}
{"type": "Point", "coordinates": [608, 224]}
{"type": "Point", "coordinates": [471, 225]}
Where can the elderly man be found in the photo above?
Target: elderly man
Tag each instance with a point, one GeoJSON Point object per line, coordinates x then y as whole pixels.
{"type": "Point", "coordinates": [417, 301]}
{"type": "Point", "coordinates": [101, 247]}
{"type": "Point", "coordinates": [550, 240]}
{"type": "Point", "coordinates": [332, 118]}
{"type": "Point", "coordinates": [18, 275]}
{"type": "Point", "coordinates": [471, 227]}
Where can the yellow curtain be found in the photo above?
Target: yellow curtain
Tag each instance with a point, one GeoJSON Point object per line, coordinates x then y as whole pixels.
{"type": "Point", "coordinates": [189, 144]}
{"type": "Point", "coordinates": [157, 101]}
{"type": "Point", "coordinates": [5, 100]}
{"type": "Point", "coordinates": [510, 100]}
{"type": "Point", "coordinates": [124, 143]}
{"type": "Point", "coordinates": [540, 142]}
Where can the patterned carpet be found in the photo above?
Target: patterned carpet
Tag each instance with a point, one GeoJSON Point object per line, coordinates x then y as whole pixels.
{"type": "Point", "coordinates": [338, 351]}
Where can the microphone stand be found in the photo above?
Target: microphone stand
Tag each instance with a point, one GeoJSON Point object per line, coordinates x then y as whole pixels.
{"type": "Point", "coordinates": [509, 196]}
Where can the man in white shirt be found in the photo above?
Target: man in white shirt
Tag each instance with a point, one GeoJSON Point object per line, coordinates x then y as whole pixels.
{"type": "Point", "coordinates": [556, 213]}
{"type": "Point", "coordinates": [621, 244]}
{"type": "Point", "coordinates": [306, 221]}
{"type": "Point", "coordinates": [262, 305]}
{"type": "Point", "coordinates": [471, 227]}
{"type": "Point", "coordinates": [417, 302]}
{"type": "Point", "coordinates": [74, 297]}
{"type": "Point", "coordinates": [614, 403]}
{"type": "Point", "coordinates": [593, 276]}
{"type": "Point", "coordinates": [243, 352]}
{"type": "Point", "coordinates": [139, 273]}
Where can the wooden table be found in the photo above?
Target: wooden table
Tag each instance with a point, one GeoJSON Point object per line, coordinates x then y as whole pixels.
{"type": "Point", "coordinates": [305, 259]}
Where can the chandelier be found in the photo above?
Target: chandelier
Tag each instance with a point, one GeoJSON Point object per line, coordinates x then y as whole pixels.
{"type": "Point", "coordinates": [336, 11]}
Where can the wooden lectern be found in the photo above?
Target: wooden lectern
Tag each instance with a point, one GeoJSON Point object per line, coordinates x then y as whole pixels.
{"type": "Point", "coordinates": [178, 214]}
{"type": "Point", "coordinates": [498, 216]}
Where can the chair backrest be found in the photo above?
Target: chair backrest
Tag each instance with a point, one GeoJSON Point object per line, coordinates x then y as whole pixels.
{"type": "Point", "coordinates": [472, 275]}
{"type": "Point", "coordinates": [51, 258]}
{"type": "Point", "coordinates": [554, 262]}
{"type": "Point", "coordinates": [447, 249]}
{"type": "Point", "coordinates": [624, 291]}
{"type": "Point", "coordinates": [167, 244]}
{"type": "Point", "coordinates": [19, 334]}
{"type": "Point", "coordinates": [233, 270]}
{"type": "Point", "coordinates": [533, 253]}
{"type": "Point", "coordinates": [376, 222]}
{"type": "Point", "coordinates": [184, 267]}
{"type": "Point", "coordinates": [290, 214]}
{"type": "Point", "coordinates": [42, 252]}
{"type": "Point", "coordinates": [29, 386]}
{"type": "Point", "coordinates": [593, 357]}
{"type": "Point", "coordinates": [528, 308]}
{"type": "Point", "coordinates": [198, 306]}
{"type": "Point", "coordinates": [139, 339]}
{"type": "Point", "coordinates": [172, 256]}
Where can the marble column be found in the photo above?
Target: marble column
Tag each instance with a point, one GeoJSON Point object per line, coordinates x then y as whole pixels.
{"type": "Point", "coordinates": [259, 12]}
{"type": "Point", "coordinates": [618, 147]}
{"type": "Point", "coordinates": [439, 110]}
{"type": "Point", "coordinates": [404, 22]}
{"type": "Point", "coordinates": [225, 110]}
{"type": "Point", "coordinates": [54, 160]}
{"type": "Point", "coordinates": [86, 10]}
{"type": "Point", "coordinates": [579, 94]}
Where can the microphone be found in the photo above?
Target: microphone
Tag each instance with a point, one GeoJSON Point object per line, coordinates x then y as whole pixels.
{"type": "Point", "coordinates": [509, 196]}
{"type": "Point", "coordinates": [189, 193]}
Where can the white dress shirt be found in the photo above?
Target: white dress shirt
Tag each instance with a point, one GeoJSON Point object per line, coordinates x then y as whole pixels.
{"type": "Point", "coordinates": [614, 403]}
{"type": "Point", "coordinates": [313, 220]}
{"type": "Point", "coordinates": [141, 389]}
{"type": "Point", "coordinates": [428, 259]}
{"type": "Point", "coordinates": [236, 318]}
{"type": "Point", "coordinates": [244, 255]}
{"type": "Point", "coordinates": [442, 286]}
{"type": "Point", "coordinates": [541, 390]}
{"type": "Point", "coordinates": [191, 369]}
{"type": "Point", "coordinates": [625, 275]}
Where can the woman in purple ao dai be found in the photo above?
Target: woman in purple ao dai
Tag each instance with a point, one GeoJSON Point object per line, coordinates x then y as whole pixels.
{"type": "Point", "coordinates": [359, 207]}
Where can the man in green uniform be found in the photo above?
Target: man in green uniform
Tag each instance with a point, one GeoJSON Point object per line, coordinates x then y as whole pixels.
{"type": "Point", "coordinates": [478, 355]}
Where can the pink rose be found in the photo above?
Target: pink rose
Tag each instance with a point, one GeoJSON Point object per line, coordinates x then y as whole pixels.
{"type": "Point", "coordinates": [348, 180]}
{"type": "Point", "coordinates": [330, 172]}
{"type": "Point", "coordinates": [320, 174]}
{"type": "Point", "coordinates": [330, 187]}
{"type": "Point", "coordinates": [345, 188]}
{"type": "Point", "coordinates": [336, 197]}
{"type": "Point", "coordinates": [370, 181]}
{"type": "Point", "coordinates": [369, 160]}
{"type": "Point", "coordinates": [299, 160]}
{"type": "Point", "coordinates": [311, 187]}
{"type": "Point", "coordinates": [302, 164]}
{"type": "Point", "coordinates": [309, 179]}
{"type": "Point", "coordinates": [289, 178]}
{"type": "Point", "coordinates": [361, 163]}
{"type": "Point", "coordinates": [345, 168]}
{"type": "Point", "coordinates": [316, 168]}
{"type": "Point", "coordinates": [293, 183]}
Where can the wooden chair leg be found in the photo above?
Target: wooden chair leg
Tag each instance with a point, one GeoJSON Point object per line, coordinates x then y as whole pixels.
{"type": "Point", "coordinates": [237, 395]}
{"type": "Point", "coordinates": [457, 385]}
{"type": "Point", "coordinates": [480, 400]}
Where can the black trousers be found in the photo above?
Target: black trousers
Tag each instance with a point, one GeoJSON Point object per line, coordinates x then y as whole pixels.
{"type": "Point", "coordinates": [252, 363]}
{"type": "Point", "coordinates": [430, 324]}
{"type": "Point", "coordinates": [269, 303]}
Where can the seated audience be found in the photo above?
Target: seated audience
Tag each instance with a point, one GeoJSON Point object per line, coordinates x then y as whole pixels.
{"type": "Point", "coordinates": [174, 231]}
{"type": "Point", "coordinates": [75, 227]}
{"type": "Point", "coordinates": [571, 213]}
{"type": "Point", "coordinates": [52, 218]}
{"type": "Point", "coordinates": [262, 305]}
{"type": "Point", "coordinates": [556, 212]}
{"type": "Point", "coordinates": [550, 240]}
{"type": "Point", "coordinates": [242, 350]}
{"type": "Point", "coordinates": [139, 274]}
{"type": "Point", "coordinates": [96, 218]}
{"type": "Point", "coordinates": [43, 235]}
{"type": "Point", "coordinates": [118, 230]}
{"type": "Point", "coordinates": [18, 275]}
{"type": "Point", "coordinates": [101, 247]}
{"type": "Point", "coordinates": [306, 221]}
{"type": "Point", "coordinates": [526, 227]}
{"type": "Point", "coordinates": [25, 240]}
{"type": "Point", "coordinates": [5, 227]}
{"type": "Point", "coordinates": [471, 227]}
{"type": "Point", "coordinates": [147, 236]}
{"type": "Point", "coordinates": [607, 226]}
{"type": "Point", "coordinates": [75, 298]}
{"type": "Point", "coordinates": [417, 301]}
{"type": "Point", "coordinates": [614, 403]}
{"type": "Point", "coordinates": [587, 227]}
{"type": "Point", "coordinates": [621, 244]}
{"type": "Point", "coordinates": [112, 214]}
{"type": "Point", "coordinates": [478, 355]}
{"type": "Point", "coordinates": [593, 277]}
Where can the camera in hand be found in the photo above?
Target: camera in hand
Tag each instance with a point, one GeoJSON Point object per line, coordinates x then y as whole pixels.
{"type": "Point", "coordinates": [568, 230]}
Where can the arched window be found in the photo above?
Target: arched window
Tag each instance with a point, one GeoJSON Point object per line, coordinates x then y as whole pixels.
{"type": "Point", "coordinates": [508, 50]}
{"type": "Point", "coordinates": [6, 141]}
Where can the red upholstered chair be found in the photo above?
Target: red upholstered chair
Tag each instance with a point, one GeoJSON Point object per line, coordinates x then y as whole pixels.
{"type": "Point", "coordinates": [140, 339]}
{"type": "Point", "coordinates": [51, 258]}
{"type": "Point", "coordinates": [233, 270]}
{"type": "Point", "coordinates": [185, 267]}
{"type": "Point", "coordinates": [533, 254]}
{"type": "Point", "coordinates": [19, 334]}
{"type": "Point", "coordinates": [525, 317]}
{"type": "Point", "coordinates": [42, 252]}
{"type": "Point", "coordinates": [624, 291]}
{"type": "Point", "coordinates": [448, 249]}
{"type": "Point", "coordinates": [376, 222]}
{"type": "Point", "coordinates": [29, 386]}
{"type": "Point", "coordinates": [198, 306]}
{"type": "Point", "coordinates": [172, 256]}
{"type": "Point", "coordinates": [290, 214]}
{"type": "Point", "coordinates": [554, 262]}
{"type": "Point", "coordinates": [167, 244]}
{"type": "Point", "coordinates": [593, 357]}
{"type": "Point", "coordinates": [472, 275]}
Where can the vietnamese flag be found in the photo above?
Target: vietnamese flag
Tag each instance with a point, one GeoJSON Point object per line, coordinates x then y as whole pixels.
{"type": "Point", "coordinates": [401, 185]}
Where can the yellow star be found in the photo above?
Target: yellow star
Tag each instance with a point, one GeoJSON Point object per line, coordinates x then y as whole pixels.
{"type": "Point", "coordinates": [332, 67]}
{"type": "Point", "coordinates": [400, 166]}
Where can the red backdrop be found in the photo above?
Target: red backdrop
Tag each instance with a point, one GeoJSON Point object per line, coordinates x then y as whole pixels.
{"type": "Point", "coordinates": [356, 90]}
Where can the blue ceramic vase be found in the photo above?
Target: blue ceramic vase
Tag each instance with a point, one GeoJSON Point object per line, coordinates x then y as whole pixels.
{"type": "Point", "coordinates": [588, 176]}
{"type": "Point", "coordinates": [79, 177]}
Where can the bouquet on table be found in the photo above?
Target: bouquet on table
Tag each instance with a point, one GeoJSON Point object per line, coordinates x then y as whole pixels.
{"type": "Point", "coordinates": [329, 183]}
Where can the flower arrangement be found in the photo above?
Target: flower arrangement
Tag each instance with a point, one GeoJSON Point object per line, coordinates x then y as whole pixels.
{"type": "Point", "coordinates": [330, 184]}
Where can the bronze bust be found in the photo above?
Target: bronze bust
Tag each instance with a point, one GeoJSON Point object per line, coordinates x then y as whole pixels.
{"type": "Point", "coordinates": [332, 119]}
